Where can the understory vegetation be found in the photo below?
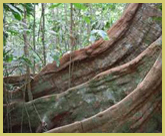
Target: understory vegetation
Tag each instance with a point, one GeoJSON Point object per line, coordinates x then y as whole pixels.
{"type": "Point", "coordinates": [49, 30]}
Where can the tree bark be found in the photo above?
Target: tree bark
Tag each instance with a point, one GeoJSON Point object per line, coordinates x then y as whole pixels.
{"type": "Point", "coordinates": [26, 52]}
{"type": "Point", "coordinates": [107, 89]}
{"type": "Point", "coordinates": [43, 33]}
{"type": "Point", "coordinates": [34, 31]}
{"type": "Point", "coordinates": [130, 114]}
{"type": "Point", "coordinates": [116, 84]}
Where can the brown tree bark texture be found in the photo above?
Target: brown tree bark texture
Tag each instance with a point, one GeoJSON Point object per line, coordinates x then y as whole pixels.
{"type": "Point", "coordinates": [129, 114]}
{"type": "Point", "coordinates": [103, 91]}
{"type": "Point", "coordinates": [129, 36]}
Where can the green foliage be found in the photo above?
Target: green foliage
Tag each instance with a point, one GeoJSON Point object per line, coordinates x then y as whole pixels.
{"type": "Point", "coordinates": [7, 55]}
{"type": "Point", "coordinates": [13, 32]}
{"type": "Point", "coordinates": [29, 8]}
{"type": "Point", "coordinates": [90, 22]}
{"type": "Point", "coordinates": [25, 61]}
{"type": "Point", "coordinates": [55, 5]}
{"type": "Point", "coordinates": [5, 36]}
{"type": "Point", "coordinates": [80, 6]}
{"type": "Point", "coordinates": [87, 19]}
{"type": "Point", "coordinates": [15, 10]}
{"type": "Point", "coordinates": [159, 7]}
{"type": "Point", "coordinates": [159, 19]}
{"type": "Point", "coordinates": [56, 26]}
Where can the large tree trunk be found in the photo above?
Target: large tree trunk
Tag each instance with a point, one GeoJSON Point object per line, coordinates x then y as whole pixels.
{"type": "Point", "coordinates": [116, 84]}
{"type": "Point", "coordinates": [129, 36]}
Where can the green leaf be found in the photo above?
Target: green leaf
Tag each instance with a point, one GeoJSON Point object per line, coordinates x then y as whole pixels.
{"type": "Point", "coordinates": [157, 19]}
{"type": "Point", "coordinates": [29, 8]}
{"type": "Point", "coordinates": [106, 38]}
{"type": "Point", "coordinates": [13, 8]}
{"type": "Point", "coordinates": [9, 58]}
{"type": "Point", "coordinates": [80, 6]}
{"type": "Point", "coordinates": [13, 32]}
{"type": "Point", "coordinates": [17, 16]}
{"type": "Point", "coordinates": [15, 12]}
{"type": "Point", "coordinates": [55, 5]}
{"type": "Point", "coordinates": [107, 25]}
{"type": "Point", "coordinates": [87, 19]}
{"type": "Point", "coordinates": [112, 6]}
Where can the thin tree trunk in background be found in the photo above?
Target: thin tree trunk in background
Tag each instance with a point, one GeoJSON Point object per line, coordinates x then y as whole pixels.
{"type": "Point", "coordinates": [34, 46]}
{"type": "Point", "coordinates": [66, 28]}
{"type": "Point", "coordinates": [71, 42]}
{"type": "Point", "coordinates": [40, 26]}
{"type": "Point", "coordinates": [78, 31]}
{"type": "Point", "coordinates": [71, 25]}
{"type": "Point", "coordinates": [81, 31]}
{"type": "Point", "coordinates": [4, 28]}
{"type": "Point", "coordinates": [89, 24]}
{"type": "Point", "coordinates": [26, 52]}
{"type": "Point", "coordinates": [57, 38]}
{"type": "Point", "coordinates": [43, 33]}
{"type": "Point", "coordinates": [53, 16]}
